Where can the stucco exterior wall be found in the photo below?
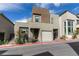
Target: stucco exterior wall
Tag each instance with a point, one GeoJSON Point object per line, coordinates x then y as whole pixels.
{"type": "Point", "coordinates": [64, 17]}
{"type": "Point", "coordinates": [6, 26]}
{"type": "Point", "coordinates": [54, 19]}
{"type": "Point", "coordinates": [44, 13]}
{"type": "Point", "coordinates": [41, 26]}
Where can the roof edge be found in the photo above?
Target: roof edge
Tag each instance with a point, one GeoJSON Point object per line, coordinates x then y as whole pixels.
{"type": "Point", "coordinates": [65, 12]}
{"type": "Point", "coordinates": [6, 18]}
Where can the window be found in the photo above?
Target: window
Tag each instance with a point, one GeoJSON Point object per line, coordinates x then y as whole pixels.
{"type": "Point", "coordinates": [37, 18]}
{"type": "Point", "coordinates": [77, 21]}
{"type": "Point", "coordinates": [70, 27]}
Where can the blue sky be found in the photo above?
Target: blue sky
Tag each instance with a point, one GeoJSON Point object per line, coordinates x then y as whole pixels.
{"type": "Point", "coordinates": [23, 11]}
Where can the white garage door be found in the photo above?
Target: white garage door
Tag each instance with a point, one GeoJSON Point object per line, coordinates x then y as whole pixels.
{"type": "Point", "coordinates": [47, 36]}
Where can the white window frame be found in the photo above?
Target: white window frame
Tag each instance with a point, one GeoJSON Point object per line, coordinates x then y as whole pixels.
{"type": "Point", "coordinates": [39, 19]}
{"type": "Point", "coordinates": [71, 27]}
{"type": "Point", "coordinates": [67, 27]}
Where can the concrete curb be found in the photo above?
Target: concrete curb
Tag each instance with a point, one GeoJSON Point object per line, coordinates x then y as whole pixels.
{"type": "Point", "coordinates": [27, 44]}
{"type": "Point", "coordinates": [37, 43]}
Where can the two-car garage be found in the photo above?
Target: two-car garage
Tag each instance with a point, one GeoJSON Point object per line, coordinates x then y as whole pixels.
{"type": "Point", "coordinates": [47, 36]}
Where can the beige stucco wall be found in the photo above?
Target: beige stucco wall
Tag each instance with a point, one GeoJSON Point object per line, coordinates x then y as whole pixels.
{"type": "Point", "coordinates": [54, 19]}
{"type": "Point", "coordinates": [6, 26]}
{"type": "Point", "coordinates": [41, 26]}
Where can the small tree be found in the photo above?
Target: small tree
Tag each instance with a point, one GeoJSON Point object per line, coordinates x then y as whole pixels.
{"type": "Point", "coordinates": [74, 34]}
{"type": "Point", "coordinates": [63, 37]}
{"type": "Point", "coordinates": [20, 41]}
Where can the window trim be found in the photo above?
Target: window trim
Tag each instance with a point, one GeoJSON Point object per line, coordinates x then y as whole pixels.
{"type": "Point", "coordinates": [70, 26]}
{"type": "Point", "coordinates": [39, 19]}
{"type": "Point", "coordinates": [66, 27]}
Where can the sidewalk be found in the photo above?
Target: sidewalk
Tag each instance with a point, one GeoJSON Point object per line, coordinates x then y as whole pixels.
{"type": "Point", "coordinates": [38, 43]}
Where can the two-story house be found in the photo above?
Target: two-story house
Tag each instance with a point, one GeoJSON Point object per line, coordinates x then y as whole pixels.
{"type": "Point", "coordinates": [68, 23]}
{"type": "Point", "coordinates": [45, 26]}
{"type": "Point", "coordinates": [40, 27]}
{"type": "Point", "coordinates": [6, 28]}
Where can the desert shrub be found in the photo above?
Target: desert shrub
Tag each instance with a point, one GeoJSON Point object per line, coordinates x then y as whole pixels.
{"type": "Point", "coordinates": [34, 40]}
{"type": "Point", "coordinates": [4, 41]}
{"type": "Point", "coordinates": [1, 42]}
{"type": "Point", "coordinates": [63, 37]}
{"type": "Point", "coordinates": [20, 41]}
{"type": "Point", "coordinates": [74, 35]}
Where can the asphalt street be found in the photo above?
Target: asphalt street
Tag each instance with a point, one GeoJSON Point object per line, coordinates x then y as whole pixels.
{"type": "Point", "coordinates": [69, 49]}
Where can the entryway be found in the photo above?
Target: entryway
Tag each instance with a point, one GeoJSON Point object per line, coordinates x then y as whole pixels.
{"type": "Point", "coordinates": [35, 32]}
{"type": "Point", "coordinates": [2, 36]}
{"type": "Point", "coordinates": [55, 33]}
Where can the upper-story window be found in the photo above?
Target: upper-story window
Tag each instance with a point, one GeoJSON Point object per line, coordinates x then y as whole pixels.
{"type": "Point", "coordinates": [37, 18]}
{"type": "Point", "coordinates": [77, 21]}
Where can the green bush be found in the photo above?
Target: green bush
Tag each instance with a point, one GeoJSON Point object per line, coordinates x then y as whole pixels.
{"type": "Point", "coordinates": [34, 40]}
{"type": "Point", "coordinates": [3, 42]}
{"type": "Point", "coordinates": [6, 41]}
{"type": "Point", "coordinates": [20, 41]}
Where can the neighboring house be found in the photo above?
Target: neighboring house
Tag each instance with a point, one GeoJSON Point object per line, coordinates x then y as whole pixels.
{"type": "Point", "coordinates": [68, 23]}
{"type": "Point", "coordinates": [39, 27]}
{"type": "Point", "coordinates": [6, 28]}
{"type": "Point", "coordinates": [45, 26]}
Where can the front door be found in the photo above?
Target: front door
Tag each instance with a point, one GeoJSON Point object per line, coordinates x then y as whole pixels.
{"type": "Point", "coordinates": [55, 33]}
{"type": "Point", "coordinates": [35, 32]}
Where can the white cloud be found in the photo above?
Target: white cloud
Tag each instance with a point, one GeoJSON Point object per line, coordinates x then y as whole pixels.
{"type": "Point", "coordinates": [6, 6]}
{"type": "Point", "coordinates": [55, 12]}
{"type": "Point", "coordinates": [52, 11]}
{"type": "Point", "coordinates": [57, 4]}
{"type": "Point", "coordinates": [42, 5]}
{"type": "Point", "coordinates": [23, 20]}
{"type": "Point", "coordinates": [77, 8]}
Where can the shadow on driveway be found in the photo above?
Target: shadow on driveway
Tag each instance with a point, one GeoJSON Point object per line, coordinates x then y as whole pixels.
{"type": "Point", "coordinates": [75, 46]}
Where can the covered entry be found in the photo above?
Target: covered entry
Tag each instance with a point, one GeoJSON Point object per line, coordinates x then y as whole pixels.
{"type": "Point", "coordinates": [23, 33]}
{"type": "Point", "coordinates": [2, 36]}
{"type": "Point", "coordinates": [55, 33]}
{"type": "Point", "coordinates": [35, 32]}
{"type": "Point", "coordinates": [47, 36]}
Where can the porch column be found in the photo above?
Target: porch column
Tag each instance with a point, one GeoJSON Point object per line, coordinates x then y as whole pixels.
{"type": "Point", "coordinates": [74, 25]}
{"type": "Point", "coordinates": [29, 32]}
{"type": "Point", "coordinates": [66, 27]}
